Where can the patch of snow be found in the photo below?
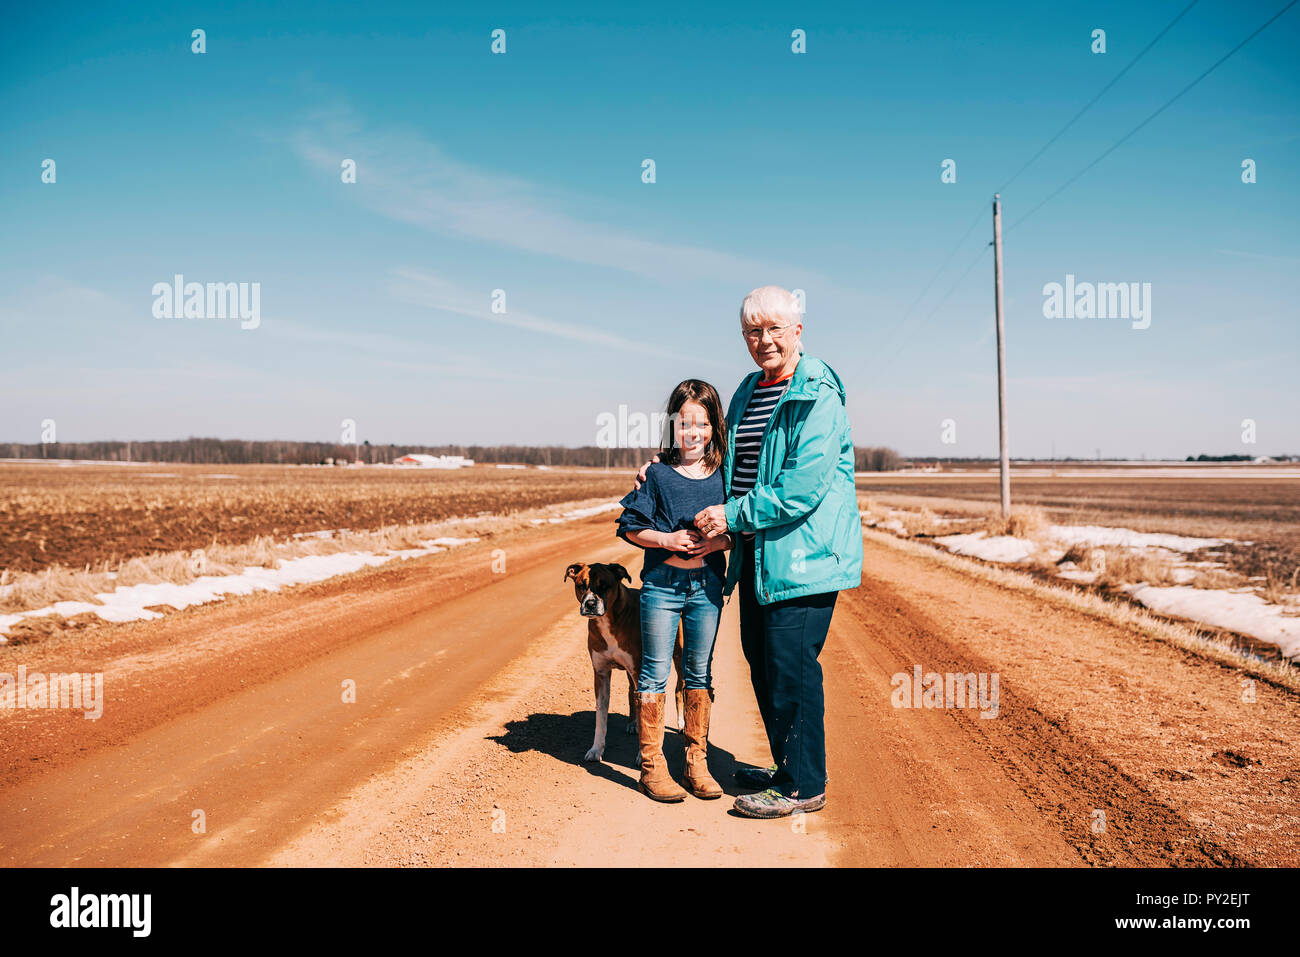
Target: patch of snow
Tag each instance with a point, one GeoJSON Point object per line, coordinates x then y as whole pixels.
{"type": "Point", "coordinates": [577, 513]}
{"type": "Point", "coordinates": [1097, 535]}
{"type": "Point", "coordinates": [133, 602]}
{"type": "Point", "coordinates": [1247, 614]}
{"type": "Point", "coordinates": [1072, 572]}
{"type": "Point", "coordinates": [999, 548]}
{"type": "Point", "coordinates": [592, 510]}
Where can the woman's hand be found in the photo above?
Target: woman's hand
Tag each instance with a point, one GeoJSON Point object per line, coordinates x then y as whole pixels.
{"type": "Point", "coordinates": [712, 521]}
{"type": "Point", "coordinates": [687, 541]}
{"type": "Point", "coordinates": [640, 476]}
{"type": "Point", "coordinates": [718, 543]}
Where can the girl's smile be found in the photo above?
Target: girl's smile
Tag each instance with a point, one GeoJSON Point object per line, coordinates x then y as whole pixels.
{"type": "Point", "coordinates": [693, 431]}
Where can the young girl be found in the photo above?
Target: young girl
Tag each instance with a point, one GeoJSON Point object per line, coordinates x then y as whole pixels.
{"type": "Point", "coordinates": [681, 580]}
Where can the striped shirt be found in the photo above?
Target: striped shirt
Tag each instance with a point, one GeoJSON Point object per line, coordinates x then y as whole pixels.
{"type": "Point", "coordinates": [749, 435]}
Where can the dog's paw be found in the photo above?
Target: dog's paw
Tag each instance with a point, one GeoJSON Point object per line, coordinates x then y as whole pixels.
{"type": "Point", "coordinates": [595, 754]}
{"type": "Point", "coordinates": [631, 727]}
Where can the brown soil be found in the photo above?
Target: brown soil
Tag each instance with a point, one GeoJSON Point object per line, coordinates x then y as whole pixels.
{"type": "Point", "coordinates": [473, 710]}
{"type": "Point", "coordinates": [87, 515]}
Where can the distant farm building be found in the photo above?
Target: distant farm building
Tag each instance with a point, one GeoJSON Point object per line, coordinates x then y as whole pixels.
{"type": "Point", "coordinates": [423, 461]}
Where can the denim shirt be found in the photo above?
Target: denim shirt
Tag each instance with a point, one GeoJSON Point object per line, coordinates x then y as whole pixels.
{"type": "Point", "coordinates": [668, 501]}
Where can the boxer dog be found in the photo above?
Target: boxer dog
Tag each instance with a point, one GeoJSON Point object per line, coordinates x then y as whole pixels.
{"type": "Point", "coordinates": [613, 613]}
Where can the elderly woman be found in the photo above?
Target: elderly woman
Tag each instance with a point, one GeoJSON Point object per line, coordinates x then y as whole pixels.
{"type": "Point", "coordinates": [792, 511]}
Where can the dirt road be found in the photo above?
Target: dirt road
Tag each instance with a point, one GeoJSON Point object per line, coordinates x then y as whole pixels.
{"type": "Point", "coordinates": [473, 709]}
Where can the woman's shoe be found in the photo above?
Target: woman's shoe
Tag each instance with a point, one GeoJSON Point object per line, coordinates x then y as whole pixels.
{"type": "Point", "coordinates": [656, 782]}
{"type": "Point", "coordinates": [698, 780]}
{"type": "Point", "coordinates": [772, 803]}
{"type": "Point", "coordinates": [756, 778]}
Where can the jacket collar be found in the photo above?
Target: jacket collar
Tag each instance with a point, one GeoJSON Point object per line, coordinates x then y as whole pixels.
{"type": "Point", "coordinates": [810, 374]}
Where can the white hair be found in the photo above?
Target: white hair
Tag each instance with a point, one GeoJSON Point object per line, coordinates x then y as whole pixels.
{"type": "Point", "coordinates": [772, 302]}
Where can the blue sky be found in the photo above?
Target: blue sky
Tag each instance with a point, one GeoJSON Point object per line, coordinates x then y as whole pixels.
{"type": "Point", "coordinates": [522, 172]}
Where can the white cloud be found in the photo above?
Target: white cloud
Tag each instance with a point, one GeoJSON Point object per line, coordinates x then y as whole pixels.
{"type": "Point", "coordinates": [409, 179]}
{"type": "Point", "coordinates": [421, 288]}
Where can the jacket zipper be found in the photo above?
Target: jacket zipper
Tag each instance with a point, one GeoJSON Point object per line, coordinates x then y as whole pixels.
{"type": "Point", "coordinates": [762, 451]}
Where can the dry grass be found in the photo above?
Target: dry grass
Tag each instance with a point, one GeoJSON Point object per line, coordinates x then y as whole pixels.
{"type": "Point", "coordinates": [1217, 579]}
{"type": "Point", "coordinates": [1258, 508]}
{"type": "Point", "coordinates": [76, 516]}
{"type": "Point", "coordinates": [1116, 566]}
{"type": "Point", "coordinates": [1025, 521]}
{"type": "Point", "coordinates": [922, 522]}
{"type": "Point", "coordinates": [1278, 589]}
{"type": "Point", "coordinates": [1075, 553]}
{"type": "Point", "coordinates": [1280, 674]}
{"type": "Point", "coordinates": [30, 590]}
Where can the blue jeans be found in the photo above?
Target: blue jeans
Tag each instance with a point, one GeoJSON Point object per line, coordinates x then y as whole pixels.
{"type": "Point", "coordinates": [670, 594]}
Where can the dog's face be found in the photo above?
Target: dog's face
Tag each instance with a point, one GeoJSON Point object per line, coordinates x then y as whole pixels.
{"type": "Point", "coordinates": [595, 586]}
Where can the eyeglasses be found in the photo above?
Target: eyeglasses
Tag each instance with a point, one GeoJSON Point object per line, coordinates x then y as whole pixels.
{"type": "Point", "coordinates": [776, 332]}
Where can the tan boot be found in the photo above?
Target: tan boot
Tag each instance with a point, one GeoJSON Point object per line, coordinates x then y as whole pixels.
{"type": "Point", "coordinates": [698, 780]}
{"type": "Point", "coordinates": [656, 782]}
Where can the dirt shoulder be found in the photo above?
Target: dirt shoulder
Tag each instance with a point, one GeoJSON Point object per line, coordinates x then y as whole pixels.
{"type": "Point", "coordinates": [474, 707]}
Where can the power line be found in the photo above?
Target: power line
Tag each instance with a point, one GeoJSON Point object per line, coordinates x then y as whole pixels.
{"type": "Point", "coordinates": [946, 296]}
{"type": "Point", "coordinates": [903, 323]}
{"type": "Point", "coordinates": [944, 265]}
{"type": "Point", "coordinates": [953, 287]}
{"type": "Point", "coordinates": [1168, 103]}
{"type": "Point", "coordinates": [1087, 106]}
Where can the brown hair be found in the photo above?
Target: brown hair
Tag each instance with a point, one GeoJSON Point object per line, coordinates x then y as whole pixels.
{"type": "Point", "coordinates": [695, 390]}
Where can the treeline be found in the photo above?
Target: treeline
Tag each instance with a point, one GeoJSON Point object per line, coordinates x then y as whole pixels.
{"type": "Point", "coordinates": [203, 451]}
{"type": "Point", "coordinates": [877, 459]}
{"type": "Point", "coordinates": [1241, 458]}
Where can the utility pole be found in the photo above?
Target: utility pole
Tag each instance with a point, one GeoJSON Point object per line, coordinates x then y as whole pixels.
{"type": "Point", "coordinates": [1004, 464]}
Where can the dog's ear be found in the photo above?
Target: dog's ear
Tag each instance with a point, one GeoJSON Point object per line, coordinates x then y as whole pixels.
{"type": "Point", "coordinates": [619, 571]}
{"type": "Point", "coordinates": [573, 570]}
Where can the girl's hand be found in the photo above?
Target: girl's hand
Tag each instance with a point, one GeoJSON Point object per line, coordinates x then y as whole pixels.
{"type": "Point", "coordinates": [687, 540]}
{"type": "Point", "coordinates": [717, 543]}
{"type": "Point", "coordinates": [640, 476]}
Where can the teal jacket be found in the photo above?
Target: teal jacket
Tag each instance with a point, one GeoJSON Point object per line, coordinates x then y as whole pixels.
{"type": "Point", "coordinates": [803, 508]}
